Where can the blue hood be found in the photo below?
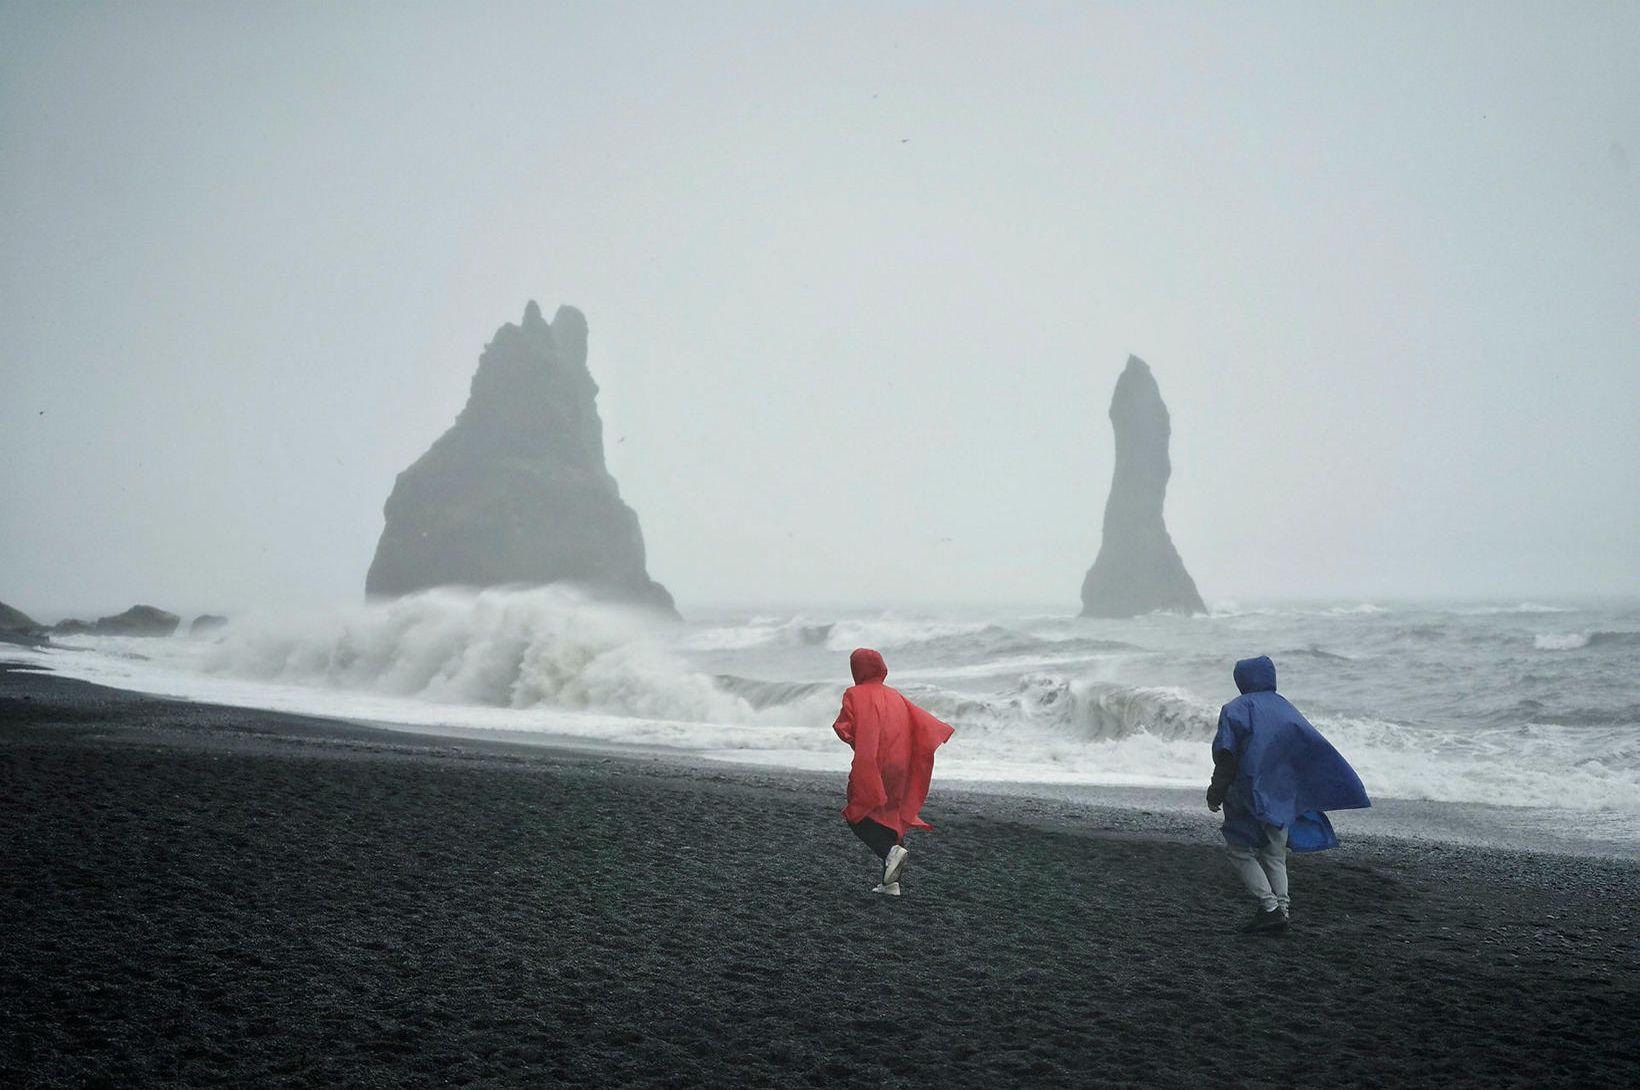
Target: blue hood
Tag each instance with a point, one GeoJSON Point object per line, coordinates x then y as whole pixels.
{"type": "Point", "coordinates": [1256, 675]}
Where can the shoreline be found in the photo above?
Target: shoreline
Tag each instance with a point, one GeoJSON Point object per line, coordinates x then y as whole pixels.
{"type": "Point", "coordinates": [1471, 825]}
{"type": "Point", "coordinates": [1156, 812]}
{"type": "Point", "coordinates": [201, 895]}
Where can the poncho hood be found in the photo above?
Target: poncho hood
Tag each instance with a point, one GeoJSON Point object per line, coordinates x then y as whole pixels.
{"type": "Point", "coordinates": [1256, 675]}
{"type": "Point", "coordinates": [867, 666]}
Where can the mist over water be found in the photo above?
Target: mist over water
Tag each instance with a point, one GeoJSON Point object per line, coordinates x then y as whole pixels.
{"type": "Point", "coordinates": [833, 259]}
{"type": "Point", "coordinates": [253, 257]}
{"type": "Point", "coordinates": [1525, 704]}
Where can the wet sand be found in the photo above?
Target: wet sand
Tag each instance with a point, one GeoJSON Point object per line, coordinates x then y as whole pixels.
{"type": "Point", "coordinates": [194, 896]}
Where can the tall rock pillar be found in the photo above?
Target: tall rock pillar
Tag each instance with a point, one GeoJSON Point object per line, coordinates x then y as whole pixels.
{"type": "Point", "coordinates": [1138, 570]}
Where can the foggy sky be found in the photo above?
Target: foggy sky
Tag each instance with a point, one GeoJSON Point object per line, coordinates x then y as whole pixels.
{"type": "Point", "coordinates": [860, 280]}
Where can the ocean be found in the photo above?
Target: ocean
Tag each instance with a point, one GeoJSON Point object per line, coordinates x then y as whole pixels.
{"type": "Point", "coordinates": [1529, 706]}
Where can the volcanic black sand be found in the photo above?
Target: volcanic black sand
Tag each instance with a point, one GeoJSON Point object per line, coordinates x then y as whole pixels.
{"type": "Point", "coordinates": [196, 895]}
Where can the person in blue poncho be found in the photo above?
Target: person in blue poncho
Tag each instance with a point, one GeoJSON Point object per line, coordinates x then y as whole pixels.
{"type": "Point", "coordinates": [1276, 777]}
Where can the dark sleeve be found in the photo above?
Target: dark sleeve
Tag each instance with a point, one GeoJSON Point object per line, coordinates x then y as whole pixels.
{"type": "Point", "coordinates": [1224, 770]}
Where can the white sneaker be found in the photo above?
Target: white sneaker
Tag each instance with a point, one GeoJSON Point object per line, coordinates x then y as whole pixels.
{"type": "Point", "coordinates": [893, 865]}
{"type": "Point", "coordinates": [890, 888]}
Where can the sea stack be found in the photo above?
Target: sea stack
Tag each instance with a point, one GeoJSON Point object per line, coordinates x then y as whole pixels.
{"type": "Point", "coordinates": [1138, 570]}
{"type": "Point", "coordinates": [516, 491]}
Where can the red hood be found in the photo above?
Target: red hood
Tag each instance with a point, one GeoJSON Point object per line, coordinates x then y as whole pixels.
{"type": "Point", "coordinates": [867, 665]}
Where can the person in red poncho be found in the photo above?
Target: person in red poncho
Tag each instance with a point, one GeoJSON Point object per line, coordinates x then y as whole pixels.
{"type": "Point", "coordinates": [894, 743]}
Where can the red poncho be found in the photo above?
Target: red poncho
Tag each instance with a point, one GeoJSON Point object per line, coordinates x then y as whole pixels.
{"type": "Point", "coordinates": [894, 743]}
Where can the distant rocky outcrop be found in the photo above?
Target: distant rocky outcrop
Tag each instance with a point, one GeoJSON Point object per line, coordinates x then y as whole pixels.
{"type": "Point", "coordinates": [1138, 570]}
{"type": "Point", "coordinates": [516, 491]}
{"type": "Point", "coordinates": [206, 623]}
{"type": "Point", "coordinates": [15, 620]}
{"type": "Point", "coordinates": [18, 627]}
{"type": "Point", "coordinates": [136, 621]}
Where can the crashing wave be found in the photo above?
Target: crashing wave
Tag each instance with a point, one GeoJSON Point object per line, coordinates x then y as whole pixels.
{"type": "Point", "coordinates": [1589, 717]}
{"type": "Point", "coordinates": [996, 642]}
{"type": "Point", "coordinates": [889, 632]}
{"type": "Point", "coordinates": [1577, 641]}
{"type": "Point", "coordinates": [1228, 609]}
{"type": "Point", "coordinates": [1548, 765]}
{"type": "Point", "coordinates": [1080, 710]}
{"type": "Point", "coordinates": [508, 648]}
{"type": "Point", "coordinates": [774, 694]}
{"type": "Point", "coordinates": [760, 632]}
{"type": "Point", "coordinates": [1523, 607]}
{"type": "Point", "coordinates": [1315, 653]}
{"type": "Point", "coordinates": [922, 638]}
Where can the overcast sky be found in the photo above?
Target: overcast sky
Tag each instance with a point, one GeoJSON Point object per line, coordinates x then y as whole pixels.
{"type": "Point", "coordinates": [860, 280]}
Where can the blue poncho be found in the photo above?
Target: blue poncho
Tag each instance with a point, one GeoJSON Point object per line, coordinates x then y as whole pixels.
{"type": "Point", "coordinates": [1287, 774]}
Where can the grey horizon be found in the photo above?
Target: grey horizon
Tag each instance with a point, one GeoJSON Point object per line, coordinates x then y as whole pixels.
{"type": "Point", "coordinates": [861, 281]}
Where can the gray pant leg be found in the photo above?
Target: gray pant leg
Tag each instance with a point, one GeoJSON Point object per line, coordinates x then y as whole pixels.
{"type": "Point", "coordinates": [1264, 871]}
{"type": "Point", "coordinates": [1272, 859]}
{"type": "Point", "coordinates": [1246, 863]}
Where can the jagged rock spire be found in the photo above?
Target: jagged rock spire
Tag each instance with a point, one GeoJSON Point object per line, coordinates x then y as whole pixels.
{"type": "Point", "coordinates": [517, 490]}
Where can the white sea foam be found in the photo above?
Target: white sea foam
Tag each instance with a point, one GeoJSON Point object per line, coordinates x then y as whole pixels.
{"type": "Point", "coordinates": [1033, 700]}
{"type": "Point", "coordinates": [1066, 710]}
{"type": "Point", "coordinates": [889, 632]}
{"type": "Point", "coordinates": [514, 648]}
{"type": "Point", "coordinates": [1523, 607]}
{"type": "Point", "coordinates": [759, 632]}
{"type": "Point", "coordinates": [1534, 765]}
{"type": "Point", "coordinates": [1230, 609]}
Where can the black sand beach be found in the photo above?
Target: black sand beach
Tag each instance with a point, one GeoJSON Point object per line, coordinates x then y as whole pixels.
{"type": "Point", "coordinates": [195, 895]}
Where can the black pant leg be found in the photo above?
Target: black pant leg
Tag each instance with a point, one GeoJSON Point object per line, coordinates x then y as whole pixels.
{"type": "Point", "coordinates": [879, 838]}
